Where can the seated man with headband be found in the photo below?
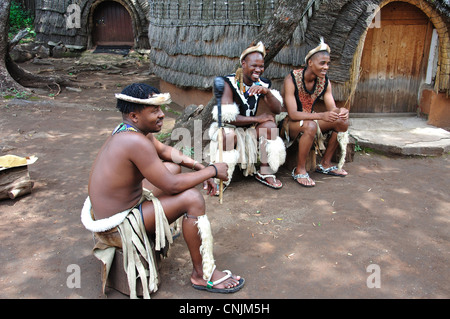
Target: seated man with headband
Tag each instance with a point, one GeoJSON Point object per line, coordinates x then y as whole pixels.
{"type": "Point", "coordinates": [136, 190]}
{"type": "Point", "coordinates": [302, 89]}
{"type": "Point", "coordinates": [248, 134]}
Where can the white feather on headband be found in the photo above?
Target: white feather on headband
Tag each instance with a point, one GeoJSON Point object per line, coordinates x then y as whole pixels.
{"type": "Point", "coordinates": [321, 47]}
{"type": "Point", "coordinates": [156, 99]}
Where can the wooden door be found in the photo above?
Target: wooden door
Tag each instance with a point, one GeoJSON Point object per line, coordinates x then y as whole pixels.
{"type": "Point", "coordinates": [112, 25]}
{"type": "Point", "coordinates": [393, 61]}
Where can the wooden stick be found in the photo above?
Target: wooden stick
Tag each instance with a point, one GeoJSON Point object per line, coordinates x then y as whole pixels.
{"type": "Point", "coordinates": [220, 139]}
{"type": "Point", "coordinates": [218, 92]}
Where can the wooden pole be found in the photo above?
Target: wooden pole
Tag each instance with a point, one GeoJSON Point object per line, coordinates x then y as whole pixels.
{"type": "Point", "coordinates": [218, 92]}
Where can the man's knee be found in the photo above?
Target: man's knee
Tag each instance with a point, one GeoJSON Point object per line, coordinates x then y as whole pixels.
{"type": "Point", "coordinates": [341, 126]}
{"type": "Point", "coordinates": [309, 128]}
{"type": "Point", "coordinates": [268, 129]}
{"type": "Point", "coordinates": [194, 199]}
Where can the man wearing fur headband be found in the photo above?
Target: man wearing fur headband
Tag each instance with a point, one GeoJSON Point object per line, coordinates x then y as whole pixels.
{"type": "Point", "coordinates": [250, 135]}
{"type": "Point", "coordinates": [136, 190]}
{"type": "Point", "coordinates": [302, 89]}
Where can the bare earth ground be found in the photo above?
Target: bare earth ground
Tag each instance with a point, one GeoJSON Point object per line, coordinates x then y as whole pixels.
{"type": "Point", "coordinates": [291, 243]}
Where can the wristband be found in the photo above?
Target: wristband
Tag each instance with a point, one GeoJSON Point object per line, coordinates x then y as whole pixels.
{"type": "Point", "coordinates": [214, 168]}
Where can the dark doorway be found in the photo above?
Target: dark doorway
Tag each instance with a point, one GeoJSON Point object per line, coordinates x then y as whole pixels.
{"type": "Point", "coordinates": [112, 25]}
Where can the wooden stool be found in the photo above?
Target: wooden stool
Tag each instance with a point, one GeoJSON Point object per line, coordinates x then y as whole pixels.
{"type": "Point", "coordinates": [117, 278]}
{"type": "Point", "coordinates": [15, 182]}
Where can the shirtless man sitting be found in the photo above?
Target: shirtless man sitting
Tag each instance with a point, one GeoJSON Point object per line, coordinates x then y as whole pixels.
{"type": "Point", "coordinates": [132, 161]}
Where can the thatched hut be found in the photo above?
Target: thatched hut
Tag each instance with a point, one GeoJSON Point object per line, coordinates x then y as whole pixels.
{"type": "Point", "coordinates": [195, 40]}
{"type": "Point", "coordinates": [87, 23]}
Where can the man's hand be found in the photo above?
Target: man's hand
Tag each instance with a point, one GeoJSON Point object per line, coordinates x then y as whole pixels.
{"type": "Point", "coordinates": [330, 116]}
{"type": "Point", "coordinates": [222, 171]}
{"type": "Point", "coordinates": [265, 117]}
{"type": "Point", "coordinates": [343, 113]}
{"type": "Point", "coordinates": [257, 89]}
{"type": "Point", "coordinates": [210, 187]}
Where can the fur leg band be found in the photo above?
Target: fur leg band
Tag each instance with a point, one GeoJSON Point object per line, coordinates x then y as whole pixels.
{"type": "Point", "coordinates": [276, 153]}
{"type": "Point", "coordinates": [343, 140]}
{"type": "Point", "coordinates": [206, 248]}
{"type": "Point", "coordinates": [229, 112]}
{"type": "Point", "coordinates": [231, 158]}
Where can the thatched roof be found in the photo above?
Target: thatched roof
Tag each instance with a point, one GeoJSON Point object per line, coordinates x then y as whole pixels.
{"type": "Point", "coordinates": [50, 21]}
{"type": "Point", "coordinates": [195, 40]}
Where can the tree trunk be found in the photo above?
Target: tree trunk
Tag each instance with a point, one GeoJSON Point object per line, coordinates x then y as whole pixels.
{"type": "Point", "coordinates": [275, 33]}
{"type": "Point", "coordinates": [12, 76]}
{"type": "Point", "coordinates": [278, 30]}
{"type": "Point", "coordinates": [6, 81]}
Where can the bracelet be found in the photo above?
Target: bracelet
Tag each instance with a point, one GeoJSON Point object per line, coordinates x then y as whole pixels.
{"type": "Point", "coordinates": [214, 168]}
{"type": "Point", "coordinates": [193, 166]}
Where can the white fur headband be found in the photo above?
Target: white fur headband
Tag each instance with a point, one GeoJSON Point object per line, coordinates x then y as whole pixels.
{"type": "Point", "coordinates": [156, 99]}
{"type": "Point", "coordinates": [321, 47]}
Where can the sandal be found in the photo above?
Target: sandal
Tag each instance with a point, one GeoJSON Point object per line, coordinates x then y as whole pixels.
{"type": "Point", "coordinates": [210, 285]}
{"type": "Point", "coordinates": [328, 171]}
{"type": "Point", "coordinates": [262, 179]}
{"type": "Point", "coordinates": [295, 177]}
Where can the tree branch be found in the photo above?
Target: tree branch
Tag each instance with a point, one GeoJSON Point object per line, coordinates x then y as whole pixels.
{"type": "Point", "coordinates": [19, 36]}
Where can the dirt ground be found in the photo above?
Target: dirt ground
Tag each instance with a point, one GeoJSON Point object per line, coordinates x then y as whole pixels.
{"type": "Point", "coordinates": [390, 212]}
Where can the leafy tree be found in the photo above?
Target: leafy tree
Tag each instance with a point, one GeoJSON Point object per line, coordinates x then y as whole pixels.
{"type": "Point", "coordinates": [13, 77]}
{"type": "Point", "coordinates": [19, 19]}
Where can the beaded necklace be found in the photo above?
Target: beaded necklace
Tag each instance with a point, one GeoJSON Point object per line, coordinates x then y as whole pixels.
{"type": "Point", "coordinates": [124, 127]}
{"type": "Point", "coordinates": [246, 87]}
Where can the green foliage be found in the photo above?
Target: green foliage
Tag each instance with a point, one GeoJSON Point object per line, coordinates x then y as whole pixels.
{"type": "Point", "coordinates": [13, 93]}
{"type": "Point", "coordinates": [162, 136]}
{"type": "Point", "coordinates": [20, 19]}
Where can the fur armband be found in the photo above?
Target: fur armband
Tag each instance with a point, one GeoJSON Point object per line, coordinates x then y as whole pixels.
{"type": "Point", "coordinates": [277, 95]}
{"type": "Point", "coordinates": [229, 112]}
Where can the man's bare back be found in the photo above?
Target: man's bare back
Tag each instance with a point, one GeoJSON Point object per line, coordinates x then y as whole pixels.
{"type": "Point", "coordinates": [115, 182]}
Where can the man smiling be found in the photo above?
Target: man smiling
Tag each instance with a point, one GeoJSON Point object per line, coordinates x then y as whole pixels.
{"type": "Point", "coordinates": [302, 89]}
{"type": "Point", "coordinates": [245, 92]}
